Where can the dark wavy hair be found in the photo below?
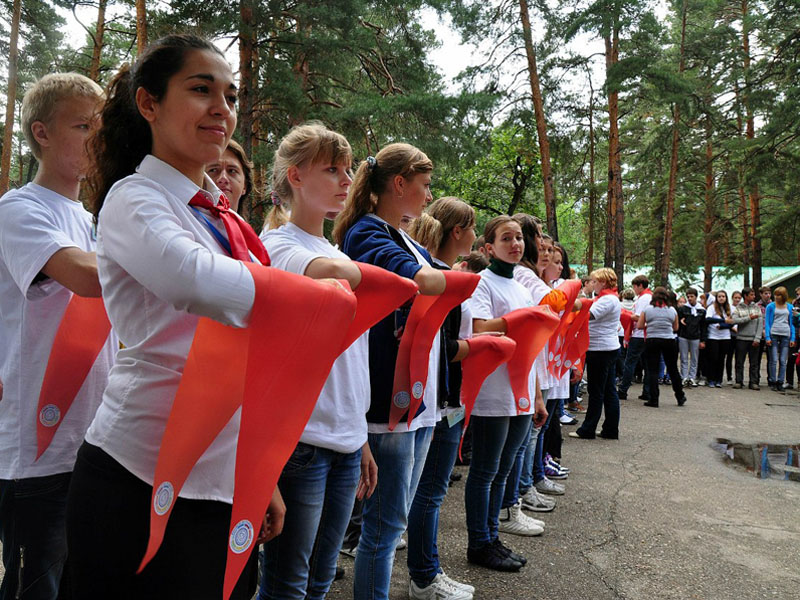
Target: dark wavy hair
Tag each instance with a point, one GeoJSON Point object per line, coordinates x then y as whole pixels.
{"type": "Point", "coordinates": [531, 230]}
{"type": "Point", "coordinates": [124, 136]}
{"type": "Point", "coordinates": [565, 268]}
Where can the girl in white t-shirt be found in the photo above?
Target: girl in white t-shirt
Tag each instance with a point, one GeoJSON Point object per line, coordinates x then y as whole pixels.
{"type": "Point", "coordinates": [498, 432]}
{"type": "Point", "coordinates": [162, 264]}
{"type": "Point", "coordinates": [720, 322]}
{"type": "Point", "coordinates": [311, 174]}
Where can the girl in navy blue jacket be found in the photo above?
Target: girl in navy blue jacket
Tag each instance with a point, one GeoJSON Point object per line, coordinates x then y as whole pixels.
{"type": "Point", "coordinates": [392, 185]}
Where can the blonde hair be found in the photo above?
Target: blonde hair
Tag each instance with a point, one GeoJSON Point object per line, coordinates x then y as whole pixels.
{"type": "Point", "coordinates": [305, 144]}
{"type": "Point", "coordinates": [42, 97]}
{"type": "Point", "coordinates": [432, 227]}
{"type": "Point", "coordinates": [371, 180]}
{"type": "Point", "coordinates": [606, 276]}
{"type": "Point", "coordinates": [782, 292]}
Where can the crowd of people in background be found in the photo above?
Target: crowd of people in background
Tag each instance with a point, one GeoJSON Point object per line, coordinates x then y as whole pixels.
{"type": "Point", "coordinates": [165, 247]}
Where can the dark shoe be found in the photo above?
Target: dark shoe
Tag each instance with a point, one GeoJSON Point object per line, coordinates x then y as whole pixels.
{"type": "Point", "coordinates": [622, 395]}
{"type": "Point", "coordinates": [506, 551]}
{"type": "Point", "coordinates": [490, 557]}
{"type": "Point", "coordinates": [737, 386]}
{"type": "Point", "coordinates": [645, 398]}
{"type": "Point", "coordinates": [577, 434]}
{"type": "Point", "coordinates": [605, 436]}
{"type": "Point", "coordinates": [754, 386]}
{"type": "Point", "coordinates": [651, 404]}
{"type": "Point", "coordinates": [339, 573]}
{"type": "Point", "coordinates": [454, 477]}
{"type": "Point", "coordinates": [682, 399]}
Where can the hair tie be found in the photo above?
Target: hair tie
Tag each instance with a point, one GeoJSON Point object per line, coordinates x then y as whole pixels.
{"type": "Point", "coordinates": [371, 163]}
{"type": "Point", "coordinates": [275, 199]}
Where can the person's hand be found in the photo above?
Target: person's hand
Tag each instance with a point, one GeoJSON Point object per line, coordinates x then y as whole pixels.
{"type": "Point", "coordinates": [753, 316]}
{"type": "Point", "coordinates": [756, 343]}
{"type": "Point", "coordinates": [540, 412]}
{"type": "Point", "coordinates": [729, 320]}
{"type": "Point", "coordinates": [769, 342]}
{"type": "Point", "coordinates": [791, 344]}
{"type": "Point", "coordinates": [272, 525]}
{"type": "Point", "coordinates": [702, 345]}
{"type": "Point", "coordinates": [369, 473]}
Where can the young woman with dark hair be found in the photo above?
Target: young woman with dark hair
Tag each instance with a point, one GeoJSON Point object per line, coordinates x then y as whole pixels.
{"type": "Point", "coordinates": [660, 321]}
{"type": "Point", "coordinates": [719, 320]}
{"type": "Point", "coordinates": [163, 265]}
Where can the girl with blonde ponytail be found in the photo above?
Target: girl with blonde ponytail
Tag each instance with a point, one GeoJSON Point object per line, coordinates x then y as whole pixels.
{"type": "Point", "coordinates": [393, 184]}
{"type": "Point", "coordinates": [332, 462]}
{"type": "Point", "coordinates": [447, 230]}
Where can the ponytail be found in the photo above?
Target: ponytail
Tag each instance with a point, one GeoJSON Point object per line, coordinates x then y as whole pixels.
{"type": "Point", "coordinates": [372, 178]}
{"type": "Point", "coordinates": [433, 227]}
{"type": "Point", "coordinates": [428, 231]}
{"type": "Point", "coordinates": [124, 136]}
{"type": "Point", "coordinates": [277, 216]}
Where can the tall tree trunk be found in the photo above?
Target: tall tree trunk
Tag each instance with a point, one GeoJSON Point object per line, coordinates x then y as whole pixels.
{"type": "Point", "coordinates": [247, 85]}
{"type": "Point", "coordinates": [592, 190]}
{"type": "Point", "coordinates": [11, 99]}
{"type": "Point", "coordinates": [744, 221]}
{"type": "Point", "coordinates": [141, 26]}
{"type": "Point", "coordinates": [755, 199]}
{"type": "Point", "coordinates": [611, 207]}
{"type": "Point", "coordinates": [673, 164]}
{"type": "Point", "coordinates": [658, 242]}
{"type": "Point", "coordinates": [710, 212]}
{"type": "Point", "coordinates": [97, 40]}
{"type": "Point", "coordinates": [541, 125]}
{"type": "Point", "coordinates": [615, 202]}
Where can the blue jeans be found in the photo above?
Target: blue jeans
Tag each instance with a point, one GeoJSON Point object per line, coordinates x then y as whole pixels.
{"type": "Point", "coordinates": [632, 356]}
{"type": "Point", "coordinates": [319, 488]}
{"type": "Point", "coordinates": [33, 533]}
{"type": "Point", "coordinates": [778, 354]}
{"type": "Point", "coordinates": [423, 519]}
{"type": "Point", "coordinates": [400, 458]}
{"type": "Point", "coordinates": [524, 468]}
{"type": "Point", "coordinates": [538, 453]}
{"type": "Point", "coordinates": [495, 444]}
{"type": "Point", "coordinates": [602, 394]}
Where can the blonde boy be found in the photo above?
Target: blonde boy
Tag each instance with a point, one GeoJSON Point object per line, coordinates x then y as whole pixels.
{"type": "Point", "coordinates": [46, 256]}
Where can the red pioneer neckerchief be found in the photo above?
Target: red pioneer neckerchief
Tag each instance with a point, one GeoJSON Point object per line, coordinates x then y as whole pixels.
{"type": "Point", "coordinates": [555, 345]}
{"type": "Point", "coordinates": [241, 236]}
{"type": "Point", "coordinates": [576, 339]}
{"type": "Point", "coordinates": [83, 331]}
{"type": "Point", "coordinates": [530, 328]}
{"type": "Point", "coordinates": [426, 317]}
{"type": "Point", "coordinates": [226, 368]}
{"type": "Point", "coordinates": [486, 354]}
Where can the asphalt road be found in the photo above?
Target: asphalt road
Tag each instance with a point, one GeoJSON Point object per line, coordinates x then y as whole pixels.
{"type": "Point", "coordinates": [656, 514]}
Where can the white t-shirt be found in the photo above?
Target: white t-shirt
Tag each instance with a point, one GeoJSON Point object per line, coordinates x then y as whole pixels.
{"type": "Point", "coordinates": [603, 327]}
{"type": "Point", "coordinates": [494, 297]}
{"type": "Point", "coordinates": [161, 270]}
{"type": "Point", "coordinates": [715, 332]}
{"type": "Point", "coordinates": [642, 302]}
{"type": "Point", "coordinates": [35, 223]}
{"type": "Point", "coordinates": [339, 420]}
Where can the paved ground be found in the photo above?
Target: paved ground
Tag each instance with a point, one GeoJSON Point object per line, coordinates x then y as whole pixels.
{"type": "Point", "coordinates": [657, 514]}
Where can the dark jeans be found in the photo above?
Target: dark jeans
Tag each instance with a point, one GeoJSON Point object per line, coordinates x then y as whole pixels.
{"type": "Point", "coordinates": [423, 518]}
{"type": "Point", "coordinates": [716, 351]}
{"type": "Point", "coordinates": [746, 348]}
{"type": "Point", "coordinates": [602, 394]}
{"type": "Point", "coordinates": [634, 352]}
{"type": "Point", "coordinates": [108, 524]}
{"type": "Point", "coordinates": [34, 536]}
{"type": "Point", "coordinates": [655, 349]}
{"type": "Point", "coordinates": [729, 354]}
{"type": "Point", "coordinates": [552, 437]}
{"type": "Point", "coordinates": [495, 443]}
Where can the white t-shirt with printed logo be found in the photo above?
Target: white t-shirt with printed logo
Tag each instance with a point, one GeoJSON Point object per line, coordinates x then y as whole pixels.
{"type": "Point", "coordinates": [494, 297]}
{"type": "Point", "coordinates": [339, 419]}
{"type": "Point", "coordinates": [35, 223]}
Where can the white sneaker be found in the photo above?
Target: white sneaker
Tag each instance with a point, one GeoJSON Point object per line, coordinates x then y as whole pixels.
{"type": "Point", "coordinates": [533, 500]}
{"type": "Point", "coordinates": [438, 589]}
{"type": "Point", "coordinates": [537, 522]}
{"type": "Point", "coordinates": [551, 488]}
{"type": "Point", "coordinates": [401, 544]}
{"type": "Point", "coordinates": [464, 586]}
{"type": "Point", "coordinates": [515, 522]}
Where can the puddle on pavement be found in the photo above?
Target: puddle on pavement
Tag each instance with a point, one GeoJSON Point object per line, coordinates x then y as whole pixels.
{"type": "Point", "coordinates": [764, 460]}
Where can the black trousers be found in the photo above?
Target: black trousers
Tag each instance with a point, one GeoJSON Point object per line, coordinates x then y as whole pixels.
{"type": "Point", "coordinates": [746, 348]}
{"type": "Point", "coordinates": [729, 355]}
{"type": "Point", "coordinates": [654, 349]}
{"type": "Point", "coordinates": [715, 355]}
{"type": "Point", "coordinates": [108, 524]}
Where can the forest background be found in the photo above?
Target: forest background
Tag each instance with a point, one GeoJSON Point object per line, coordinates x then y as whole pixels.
{"type": "Point", "coordinates": [672, 143]}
